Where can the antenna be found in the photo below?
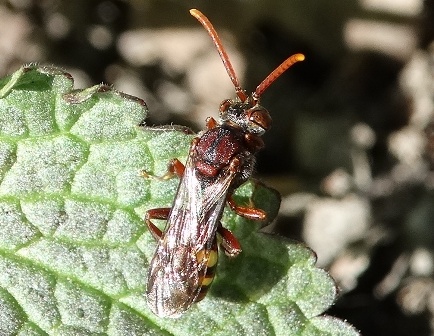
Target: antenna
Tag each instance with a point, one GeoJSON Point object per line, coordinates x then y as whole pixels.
{"type": "Point", "coordinates": [229, 68]}
{"type": "Point", "coordinates": [286, 64]}
{"type": "Point", "coordinates": [222, 52]}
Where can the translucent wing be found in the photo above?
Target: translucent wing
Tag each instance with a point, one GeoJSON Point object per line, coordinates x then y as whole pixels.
{"type": "Point", "coordinates": [176, 272]}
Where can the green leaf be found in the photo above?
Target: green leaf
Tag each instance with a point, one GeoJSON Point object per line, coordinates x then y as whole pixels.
{"type": "Point", "coordinates": [74, 248]}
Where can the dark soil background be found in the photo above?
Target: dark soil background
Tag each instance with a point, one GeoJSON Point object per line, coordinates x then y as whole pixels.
{"type": "Point", "coordinates": [352, 145]}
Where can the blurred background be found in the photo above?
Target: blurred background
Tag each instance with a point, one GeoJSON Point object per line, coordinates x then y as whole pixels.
{"type": "Point", "coordinates": [352, 145]}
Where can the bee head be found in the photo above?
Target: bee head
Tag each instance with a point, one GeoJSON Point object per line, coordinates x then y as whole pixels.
{"type": "Point", "coordinates": [252, 119]}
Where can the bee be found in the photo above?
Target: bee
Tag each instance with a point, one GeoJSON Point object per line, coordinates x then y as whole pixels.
{"type": "Point", "coordinates": [220, 159]}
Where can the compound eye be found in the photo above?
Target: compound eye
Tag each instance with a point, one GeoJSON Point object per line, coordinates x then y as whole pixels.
{"type": "Point", "coordinates": [261, 118]}
{"type": "Point", "coordinates": [224, 106]}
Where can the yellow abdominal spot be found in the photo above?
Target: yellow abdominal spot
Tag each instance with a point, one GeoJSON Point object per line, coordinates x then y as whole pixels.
{"type": "Point", "coordinates": [212, 257]}
{"type": "Point", "coordinates": [207, 281]}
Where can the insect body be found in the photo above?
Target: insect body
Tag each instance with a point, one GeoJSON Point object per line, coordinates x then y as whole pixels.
{"type": "Point", "coordinates": [220, 159]}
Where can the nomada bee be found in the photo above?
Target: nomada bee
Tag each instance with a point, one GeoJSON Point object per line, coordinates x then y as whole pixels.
{"type": "Point", "coordinates": [220, 159]}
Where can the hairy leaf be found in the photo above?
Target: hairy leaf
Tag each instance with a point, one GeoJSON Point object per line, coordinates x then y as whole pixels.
{"type": "Point", "coordinates": [74, 249]}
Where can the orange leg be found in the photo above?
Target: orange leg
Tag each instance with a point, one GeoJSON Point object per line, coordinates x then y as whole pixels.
{"type": "Point", "coordinates": [175, 167]}
{"type": "Point", "coordinates": [158, 213]}
{"type": "Point", "coordinates": [229, 242]}
{"type": "Point", "coordinates": [246, 212]}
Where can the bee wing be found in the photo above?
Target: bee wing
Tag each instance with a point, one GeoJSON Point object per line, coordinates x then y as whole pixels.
{"type": "Point", "coordinates": [176, 271]}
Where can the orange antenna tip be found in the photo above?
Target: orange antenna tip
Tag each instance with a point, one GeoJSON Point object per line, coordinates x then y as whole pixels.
{"type": "Point", "coordinates": [299, 57]}
{"type": "Point", "coordinates": [276, 73]}
{"type": "Point", "coordinates": [195, 12]}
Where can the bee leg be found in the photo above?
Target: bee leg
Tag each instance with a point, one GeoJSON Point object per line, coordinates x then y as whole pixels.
{"type": "Point", "coordinates": [246, 212]}
{"type": "Point", "coordinates": [158, 213]}
{"type": "Point", "coordinates": [228, 242]}
{"type": "Point", "coordinates": [175, 167]}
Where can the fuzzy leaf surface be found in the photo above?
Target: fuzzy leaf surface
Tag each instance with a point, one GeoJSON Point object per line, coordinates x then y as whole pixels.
{"type": "Point", "coordinates": [74, 249]}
